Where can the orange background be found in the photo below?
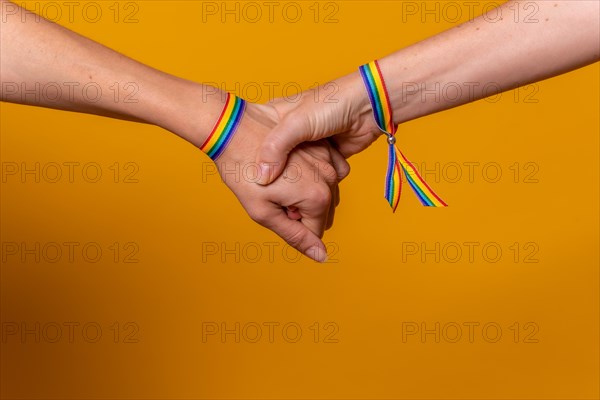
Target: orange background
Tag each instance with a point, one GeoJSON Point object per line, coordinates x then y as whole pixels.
{"type": "Point", "coordinates": [200, 262]}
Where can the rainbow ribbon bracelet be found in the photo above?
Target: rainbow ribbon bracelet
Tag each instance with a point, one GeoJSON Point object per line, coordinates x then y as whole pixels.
{"type": "Point", "coordinates": [397, 163]}
{"type": "Point", "coordinates": [225, 127]}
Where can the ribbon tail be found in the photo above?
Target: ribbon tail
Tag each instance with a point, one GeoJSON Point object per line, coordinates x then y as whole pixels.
{"type": "Point", "coordinates": [393, 179]}
{"type": "Point", "coordinates": [426, 195]}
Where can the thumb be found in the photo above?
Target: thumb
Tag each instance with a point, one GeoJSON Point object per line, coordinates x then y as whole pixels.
{"type": "Point", "coordinates": [297, 235]}
{"type": "Point", "coordinates": [273, 152]}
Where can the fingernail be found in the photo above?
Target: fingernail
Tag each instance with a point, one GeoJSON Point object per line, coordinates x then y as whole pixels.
{"type": "Point", "coordinates": [317, 254]}
{"type": "Point", "coordinates": [265, 171]}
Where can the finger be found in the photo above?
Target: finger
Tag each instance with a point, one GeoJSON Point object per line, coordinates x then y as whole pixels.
{"type": "Point", "coordinates": [315, 209]}
{"type": "Point", "coordinates": [336, 198]}
{"type": "Point", "coordinates": [297, 235]}
{"type": "Point", "coordinates": [345, 146]}
{"type": "Point", "coordinates": [322, 199]}
{"type": "Point", "coordinates": [272, 155]}
{"type": "Point", "coordinates": [342, 168]}
{"type": "Point", "coordinates": [324, 170]}
{"type": "Point", "coordinates": [332, 206]}
{"type": "Point", "coordinates": [293, 213]}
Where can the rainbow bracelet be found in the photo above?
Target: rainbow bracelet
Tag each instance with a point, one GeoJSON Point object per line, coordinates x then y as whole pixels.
{"type": "Point", "coordinates": [397, 163]}
{"type": "Point", "coordinates": [225, 127]}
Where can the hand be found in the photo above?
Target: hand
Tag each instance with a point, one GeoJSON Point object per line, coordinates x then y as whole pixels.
{"type": "Point", "coordinates": [346, 117]}
{"type": "Point", "coordinates": [300, 204]}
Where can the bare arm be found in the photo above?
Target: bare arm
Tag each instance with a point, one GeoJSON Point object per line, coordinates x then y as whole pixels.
{"type": "Point", "coordinates": [471, 61]}
{"type": "Point", "coordinates": [491, 53]}
{"type": "Point", "coordinates": [37, 54]}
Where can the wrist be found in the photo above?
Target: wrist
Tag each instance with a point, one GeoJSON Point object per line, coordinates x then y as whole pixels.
{"type": "Point", "coordinates": [254, 125]}
{"type": "Point", "coordinates": [343, 106]}
{"type": "Point", "coordinates": [354, 94]}
{"type": "Point", "coordinates": [188, 109]}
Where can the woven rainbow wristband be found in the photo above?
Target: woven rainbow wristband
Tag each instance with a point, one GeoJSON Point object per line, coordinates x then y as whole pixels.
{"type": "Point", "coordinates": [225, 127]}
{"type": "Point", "coordinates": [397, 163]}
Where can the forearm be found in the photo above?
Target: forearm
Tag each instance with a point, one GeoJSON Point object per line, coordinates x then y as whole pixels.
{"type": "Point", "coordinates": [483, 57]}
{"type": "Point", "coordinates": [479, 58]}
{"type": "Point", "coordinates": [44, 64]}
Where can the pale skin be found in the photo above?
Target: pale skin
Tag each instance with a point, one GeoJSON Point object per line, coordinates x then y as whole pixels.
{"type": "Point", "coordinates": [508, 53]}
{"type": "Point", "coordinates": [484, 53]}
{"type": "Point", "coordinates": [35, 51]}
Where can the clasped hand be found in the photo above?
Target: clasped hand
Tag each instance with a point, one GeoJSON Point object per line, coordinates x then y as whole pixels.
{"type": "Point", "coordinates": [295, 191]}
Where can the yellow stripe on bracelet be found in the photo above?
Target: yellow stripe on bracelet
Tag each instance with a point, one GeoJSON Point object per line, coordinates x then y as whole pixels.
{"type": "Point", "coordinates": [225, 127]}
{"type": "Point", "coordinates": [397, 162]}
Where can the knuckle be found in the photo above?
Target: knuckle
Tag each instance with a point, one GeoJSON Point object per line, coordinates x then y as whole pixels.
{"type": "Point", "coordinates": [329, 173]}
{"type": "Point", "coordinates": [320, 197]}
{"type": "Point", "coordinates": [343, 170]}
{"type": "Point", "coordinates": [259, 215]}
{"type": "Point", "coordinates": [329, 224]}
{"type": "Point", "coordinates": [271, 147]}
